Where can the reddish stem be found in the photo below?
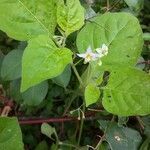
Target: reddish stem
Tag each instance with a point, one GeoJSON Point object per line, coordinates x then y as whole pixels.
{"type": "Point", "coordinates": [52, 120]}
{"type": "Point", "coordinates": [48, 120]}
{"type": "Point", "coordinates": [144, 62]}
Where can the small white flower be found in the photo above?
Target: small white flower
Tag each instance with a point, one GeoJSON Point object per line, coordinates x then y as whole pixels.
{"type": "Point", "coordinates": [102, 51]}
{"type": "Point", "coordinates": [89, 55]}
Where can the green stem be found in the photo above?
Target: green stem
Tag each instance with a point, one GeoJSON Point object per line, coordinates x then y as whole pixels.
{"type": "Point", "coordinates": [81, 125]}
{"type": "Point", "coordinates": [64, 41]}
{"type": "Point", "coordinates": [77, 74]}
{"type": "Point", "coordinates": [69, 145]}
{"type": "Point", "coordinates": [69, 104]}
{"type": "Point", "coordinates": [82, 119]}
{"type": "Point", "coordinates": [78, 62]}
{"type": "Point", "coordinates": [57, 139]}
{"type": "Point", "coordinates": [108, 5]}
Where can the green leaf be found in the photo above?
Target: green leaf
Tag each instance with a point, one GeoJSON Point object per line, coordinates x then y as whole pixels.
{"type": "Point", "coordinates": [54, 146]}
{"type": "Point", "coordinates": [122, 36]}
{"type": "Point", "coordinates": [36, 94]}
{"type": "Point", "coordinates": [124, 94]}
{"type": "Point", "coordinates": [43, 60]}
{"type": "Point", "coordinates": [1, 60]}
{"type": "Point", "coordinates": [15, 90]}
{"type": "Point", "coordinates": [22, 19]}
{"type": "Point", "coordinates": [92, 74]}
{"type": "Point", "coordinates": [90, 13]}
{"type": "Point", "coordinates": [47, 130]}
{"type": "Point", "coordinates": [137, 5]}
{"type": "Point", "coordinates": [70, 16]}
{"type": "Point", "coordinates": [87, 75]}
{"type": "Point", "coordinates": [91, 94]}
{"type": "Point", "coordinates": [145, 145]}
{"type": "Point", "coordinates": [82, 148]}
{"type": "Point", "coordinates": [121, 137]}
{"type": "Point", "coordinates": [140, 65]}
{"type": "Point", "coordinates": [104, 146]}
{"type": "Point", "coordinates": [146, 36]}
{"type": "Point", "coordinates": [146, 122]}
{"type": "Point", "coordinates": [11, 66]}
{"type": "Point", "coordinates": [10, 134]}
{"type": "Point", "coordinates": [64, 78]}
{"type": "Point", "coordinates": [42, 146]}
{"type": "Point", "coordinates": [122, 120]}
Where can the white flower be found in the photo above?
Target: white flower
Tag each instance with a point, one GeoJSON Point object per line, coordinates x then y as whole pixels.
{"type": "Point", "coordinates": [102, 51]}
{"type": "Point", "coordinates": [89, 55]}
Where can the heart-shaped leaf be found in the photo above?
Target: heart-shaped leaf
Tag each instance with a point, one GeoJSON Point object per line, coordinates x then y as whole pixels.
{"type": "Point", "coordinates": [121, 32]}
{"type": "Point", "coordinates": [11, 66]}
{"type": "Point", "coordinates": [120, 137]}
{"type": "Point", "coordinates": [92, 94]}
{"type": "Point", "coordinates": [10, 134]}
{"type": "Point", "coordinates": [124, 94]}
{"type": "Point", "coordinates": [34, 95]}
{"type": "Point", "coordinates": [48, 130]}
{"type": "Point", "coordinates": [64, 78]}
{"type": "Point", "coordinates": [43, 60]}
{"type": "Point", "coordinates": [22, 19]}
{"type": "Point", "coordinates": [70, 16]}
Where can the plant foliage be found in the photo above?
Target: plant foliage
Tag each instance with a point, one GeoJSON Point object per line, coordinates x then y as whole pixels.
{"type": "Point", "coordinates": [74, 61]}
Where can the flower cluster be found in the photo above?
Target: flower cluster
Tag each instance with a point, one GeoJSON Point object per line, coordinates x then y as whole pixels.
{"type": "Point", "coordinates": [89, 55]}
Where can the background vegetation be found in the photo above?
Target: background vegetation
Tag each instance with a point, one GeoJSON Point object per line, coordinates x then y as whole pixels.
{"type": "Point", "coordinates": [55, 101]}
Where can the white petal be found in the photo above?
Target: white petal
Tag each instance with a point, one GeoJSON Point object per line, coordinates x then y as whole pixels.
{"type": "Point", "coordinates": [89, 49]}
{"type": "Point", "coordinates": [81, 55]}
{"type": "Point", "coordinates": [106, 52]}
{"type": "Point", "coordinates": [100, 55]}
{"type": "Point", "coordinates": [99, 50]}
{"type": "Point", "coordinates": [95, 56]}
{"type": "Point", "coordinates": [104, 47]}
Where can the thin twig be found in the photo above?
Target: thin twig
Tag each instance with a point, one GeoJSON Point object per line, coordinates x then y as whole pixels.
{"type": "Point", "coordinates": [6, 110]}
{"type": "Point", "coordinates": [108, 5]}
{"type": "Point", "coordinates": [103, 137]}
{"type": "Point", "coordinates": [81, 124]}
{"type": "Point", "coordinates": [95, 110]}
{"type": "Point", "coordinates": [144, 62]}
{"type": "Point", "coordinates": [69, 104]}
{"type": "Point", "coordinates": [140, 122]}
{"type": "Point", "coordinates": [114, 5]}
{"type": "Point", "coordinates": [100, 142]}
{"type": "Point", "coordinates": [8, 105]}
